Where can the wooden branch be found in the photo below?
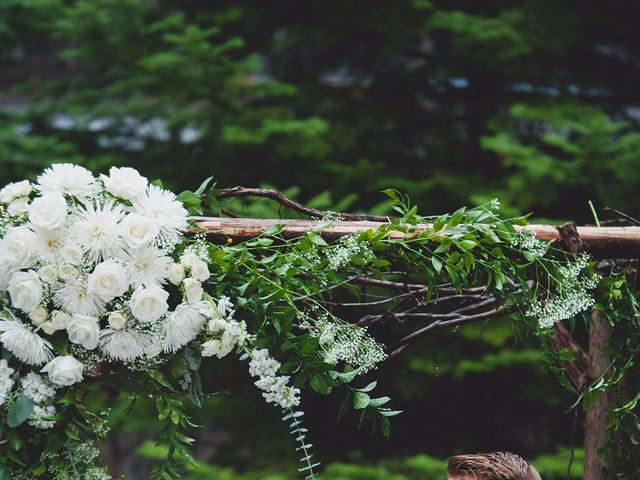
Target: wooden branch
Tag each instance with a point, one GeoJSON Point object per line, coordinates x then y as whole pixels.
{"type": "Point", "coordinates": [603, 242]}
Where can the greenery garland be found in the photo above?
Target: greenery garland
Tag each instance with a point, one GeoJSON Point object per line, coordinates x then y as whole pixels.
{"type": "Point", "coordinates": [290, 295]}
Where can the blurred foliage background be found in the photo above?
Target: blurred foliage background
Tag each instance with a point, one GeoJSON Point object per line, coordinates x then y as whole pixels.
{"type": "Point", "coordinates": [453, 102]}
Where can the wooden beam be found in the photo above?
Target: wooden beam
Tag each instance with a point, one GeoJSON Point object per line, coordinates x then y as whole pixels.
{"type": "Point", "coordinates": [603, 242]}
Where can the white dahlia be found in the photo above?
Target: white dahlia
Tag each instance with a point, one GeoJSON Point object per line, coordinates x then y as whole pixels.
{"type": "Point", "coordinates": [74, 297]}
{"type": "Point", "coordinates": [145, 266]}
{"type": "Point", "coordinates": [163, 206]}
{"type": "Point", "coordinates": [26, 345]}
{"type": "Point", "coordinates": [97, 230]}
{"type": "Point", "coordinates": [124, 345]}
{"type": "Point", "coordinates": [182, 326]}
{"type": "Point", "coordinates": [68, 179]}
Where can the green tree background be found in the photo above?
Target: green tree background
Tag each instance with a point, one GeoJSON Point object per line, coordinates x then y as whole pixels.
{"type": "Point", "coordinates": [453, 102]}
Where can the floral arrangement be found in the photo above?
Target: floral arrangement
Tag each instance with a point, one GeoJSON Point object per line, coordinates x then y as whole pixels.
{"type": "Point", "coordinates": [103, 281]}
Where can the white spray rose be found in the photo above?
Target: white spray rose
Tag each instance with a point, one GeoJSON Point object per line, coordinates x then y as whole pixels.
{"type": "Point", "coordinates": [138, 230]}
{"type": "Point", "coordinates": [84, 330]}
{"type": "Point", "coordinates": [176, 273]}
{"type": "Point", "coordinates": [48, 273]}
{"type": "Point", "coordinates": [60, 319]}
{"type": "Point", "coordinates": [49, 328]}
{"type": "Point", "coordinates": [14, 191]}
{"type": "Point", "coordinates": [49, 211]}
{"type": "Point", "coordinates": [25, 290]}
{"type": "Point", "coordinates": [149, 304]}
{"type": "Point", "coordinates": [117, 320]}
{"type": "Point", "coordinates": [200, 271]}
{"type": "Point", "coordinates": [39, 316]}
{"type": "Point", "coordinates": [125, 182]}
{"type": "Point", "coordinates": [193, 290]}
{"type": "Point", "coordinates": [64, 370]}
{"type": "Point", "coordinates": [18, 207]}
{"type": "Point", "coordinates": [73, 254]}
{"type": "Point", "coordinates": [189, 259]}
{"type": "Point", "coordinates": [66, 272]}
{"type": "Point", "coordinates": [18, 247]}
{"type": "Point", "coordinates": [108, 281]}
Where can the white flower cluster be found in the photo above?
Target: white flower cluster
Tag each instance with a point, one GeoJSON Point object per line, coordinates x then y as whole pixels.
{"type": "Point", "coordinates": [573, 298]}
{"type": "Point", "coordinates": [275, 388]}
{"type": "Point", "coordinates": [6, 380]}
{"type": "Point", "coordinates": [528, 242]}
{"type": "Point", "coordinates": [350, 247]}
{"type": "Point", "coordinates": [41, 392]}
{"type": "Point", "coordinates": [348, 343]}
{"type": "Point", "coordinates": [227, 332]}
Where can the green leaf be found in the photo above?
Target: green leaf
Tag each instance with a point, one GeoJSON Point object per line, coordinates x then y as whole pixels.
{"type": "Point", "coordinates": [5, 472]}
{"type": "Point", "coordinates": [360, 400]}
{"type": "Point", "coordinates": [385, 426]}
{"type": "Point", "coordinates": [368, 388]}
{"type": "Point", "coordinates": [317, 239]}
{"type": "Point", "coordinates": [19, 411]}
{"type": "Point", "coordinates": [320, 385]}
{"type": "Point", "coordinates": [437, 264]}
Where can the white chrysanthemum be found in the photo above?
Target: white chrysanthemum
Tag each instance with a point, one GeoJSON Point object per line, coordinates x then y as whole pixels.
{"type": "Point", "coordinates": [96, 229]}
{"type": "Point", "coordinates": [124, 345]}
{"type": "Point", "coordinates": [26, 345]}
{"type": "Point", "coordinates": [145, 266]}
{"type": "Point", "coordinates": [163, 206]}
{"type": "Point", "coordinates": [183, 325]}
{"type": "Point", "coordinates": [74, 297]}
{"type": "Point", "coordinates": [49, 245]}
{"type": "Point", "coordinates": [68, 179]}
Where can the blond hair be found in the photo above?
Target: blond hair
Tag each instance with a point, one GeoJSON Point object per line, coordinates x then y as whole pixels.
{"type": "Point", "coordinates": [491, 466]}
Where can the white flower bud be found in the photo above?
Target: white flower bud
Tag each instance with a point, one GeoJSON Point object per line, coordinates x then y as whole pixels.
{"type": "Point", "coordinates": [48, 273]}
{"type": "Point", "coordinates": [193, 290]}
{"type": "Point", "coordinates": [176, 273]}
{"type": "Point", "coordinates": [66, 272]}
{"type": "Point", "coordinates": [117, 320]}
{"type": "Point", "coordinates": [200, 271]}
{"type": "Point", "coordinates": [38, 316]}
{"type": "Point", "coordinates": [18, 207]}
{"type": "Point", "coordinates": [60, 319]}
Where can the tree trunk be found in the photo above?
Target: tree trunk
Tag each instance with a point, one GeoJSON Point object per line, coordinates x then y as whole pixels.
{"type": "Point", "coordinates": [595, 426]}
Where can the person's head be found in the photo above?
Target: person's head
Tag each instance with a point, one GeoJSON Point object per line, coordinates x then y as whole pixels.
{"type": "Point", "coordinates": [490, 466]}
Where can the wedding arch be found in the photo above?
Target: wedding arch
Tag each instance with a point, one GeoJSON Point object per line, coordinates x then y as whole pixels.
{"type": "Point", "coordinates": [113, 281]}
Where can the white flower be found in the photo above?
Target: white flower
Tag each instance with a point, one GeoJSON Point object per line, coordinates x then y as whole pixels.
{"type": "Point", "coordinates": [48, 327]}
{"type": "Point", "coordinates": [182, 326]}
{"type": "Point", "coordinates": [40, 415]}
{"type": "Point", "coordinates": [139, 230]}
{"type": "Point", "coordinates": [6, 272]}
{"type": "Point", "coordinates": [67, 272]}
{"type": "Point", "coordinates": [193, 290]}
{"type": "Point", "coordinates": [60, 320]}
{"type": "Point", "coordinates": [25, 290]}
{"type": "Point", "coordinates": [27, 346]}
{"type": "Point", "coordinates": [200, 271]}
{"type": "Point", "coordinates": [153, 350]}
{"type": "Point", "coordinates": [145, 266]}
{"type": "Point", "coordinates": [48, 273]}
{"type": "Point", "coordinates": [217, 348]}
{"type": "Point", "coordinates": [124, 182]}
{"type": "Point", "coordinates": [188, 259]}
{"type": "Point", "coordinates": [117, 320]}
{"type": "Point", "coordinates": [18, 247]}
{"type": "Point", "coordinates": [18, 207]}
{"type": "Point", "coordinates": [6, 382]}
{"type": "Point", "coordinates": [176, 273]}
{"type": "Point", "coordinates": [49, 245]}
{"type": "Point", "coordinates": [97, 230]}
{"type": "Point", "coordinates": [124, 345]}
{"type": "Point", "coordinates": [163, 206]}
{"type": "Point", "coordinates": [73, 297]}
{"type": "Point", "coordinates": [73, 254]}
{"type": "Point", "coordinates": [48, 211]}
{"type": "Point", "coordinates": [84, 330]}
{"type": "Point", "coordinates": [225, 306]}
{"type": "Point", "coordinates": [68, 179]}
{"type": "Point", "coordinates": [148, 304]}
{"type": "Point", "coordinates": [64, 370]}
{"type": "Point", "coordinates": [37, 388]}
{"type": "Point", "coordinates": [108, 281]}
{"type": "Point", "coordinates": [39, 316]}
{"type": "Point", "coordinates": [14, 191]}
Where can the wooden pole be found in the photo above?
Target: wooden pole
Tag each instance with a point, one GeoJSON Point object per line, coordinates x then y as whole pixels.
{"type": "Point", "coordinates": [603, 242]}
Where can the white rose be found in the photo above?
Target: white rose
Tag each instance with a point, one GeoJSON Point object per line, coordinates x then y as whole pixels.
{"type": "Point", "coordinates": [176, 273]}
{"type": "Point", "coordinates": [84, 330]}
{"type": "Point", "coordinates": [49, 328]}
{"type": "Point", "coordinates": [153, 350]}
{"type": "Point", "coordinates": [39, 316]}
{"type": "Point", "coordinates": [125, 182]}
{"type": "Point", "coordinates": [149, 304]}
{"type": "Point", "coordinates": [48, 273]}
{"type": "Point", "coordinates": [193, 290]}
{"type": "Point", "coordinates": [108, 281]}
{"type": "Point", "coordinates": [6, 272]}
{"type": "Point", "coordinates": [189, 259]}
{"type": "Point", "coordinates": [60, 319]}
{"type": "Point", "coordinates": [18, 247]}
{"type": "Point", "coordinates": [215, 347]}
{"type": "Point", "coordinates": [73, 254]}
{"type": "Point", "coordinates": [117, 320]}
{"type": "Point", "coordinates": [48, 211]}
{"type": "Point", "coordinates": [25, 290]}
{"type": "Point", "coordinates": [18, 207]}
{"type": "Point", "coordinates": [64, 370]}
{"type": "Point", "coordinates": [200, 271]}
{"type": "Point", "coordinates": [66, 272]}
{"type": "Point", "coordinates": [14, 191]}
{"type": "Point", "coordinates": [138, 230]}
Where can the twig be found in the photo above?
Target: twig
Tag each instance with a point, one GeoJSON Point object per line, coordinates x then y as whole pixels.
{"type": "Point", "coordinates": [634, 221]}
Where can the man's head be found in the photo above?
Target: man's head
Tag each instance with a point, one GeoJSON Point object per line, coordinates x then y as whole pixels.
{"type": "Point", "coordinates": [490, 466]}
